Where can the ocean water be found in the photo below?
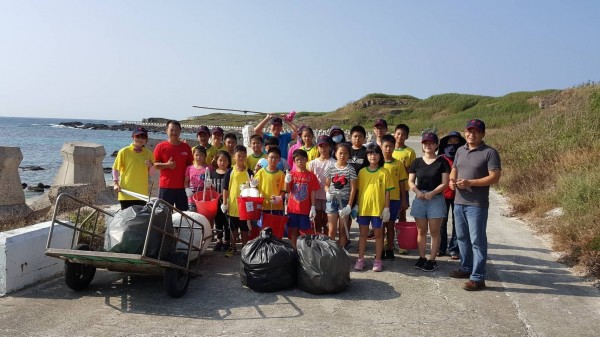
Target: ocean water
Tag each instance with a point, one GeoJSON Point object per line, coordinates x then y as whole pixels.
{"type": "Point", "coordinates": [41, 139]}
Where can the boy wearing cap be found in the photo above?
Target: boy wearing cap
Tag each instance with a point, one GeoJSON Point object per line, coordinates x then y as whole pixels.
{"type": "Point", "coordinates": [380, 129]}
{"type": "Point", "coordinates": [276, 131]}
{"type": "Point", "coordinates": [203, 135]}
{"type": "Point", "coordinates": [172, 157]}
{"type": "Point", "coordinates": [216, 140]}
{"type": "Point", "coordinates": [131, 169]}
{"type": "Point", "coordinates": [476, 166]}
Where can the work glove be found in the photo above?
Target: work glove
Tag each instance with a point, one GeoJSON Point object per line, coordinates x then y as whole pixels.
{"type": "Point", "coordinates": [344, 212]}
{"type": "Point", "coordinates": [224, 208]}
{"type": "Point", "coordinates": [330, 194]}
{"type": "Point", "coordinates": [354, 212]}
{"type": "Point", "coordinates": [253, 182]}
{"type": "Point", "coordinates": [313, 213]}
{"type": "Point", "coordinates": [189, 192]}
{"type": "Point", "coordinates": [288, 177]}
{"type": "Point", "coordinates": [385, 215]}
{"type": "Point", "coordinates": [276, 199]}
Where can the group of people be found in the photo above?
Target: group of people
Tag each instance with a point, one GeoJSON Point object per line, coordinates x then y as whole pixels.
{"type": "Point", "coordinates": [324, 183]}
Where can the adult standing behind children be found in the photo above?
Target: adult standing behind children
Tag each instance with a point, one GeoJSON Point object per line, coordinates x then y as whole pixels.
{"type": "Point", "coordinates": [131, 169]}
{"type": "Point", "coordinates": [284, 138]}
{"type": "Point", "coordinates": [380, 129]}
{"type": "Point", "coordinates": [447, 149]}
{"type": "Point", "coordinates": [427, 178]}
{"type": "Point", "coordinates": [476, 167]}
{"type": "Point", "coordinates": [172, 157]}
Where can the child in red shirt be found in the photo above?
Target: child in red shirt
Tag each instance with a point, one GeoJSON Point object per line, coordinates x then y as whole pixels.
{"type": "Point", "coordinates": [302, 185]}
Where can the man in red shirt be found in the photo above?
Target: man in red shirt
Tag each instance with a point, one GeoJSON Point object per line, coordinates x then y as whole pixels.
{"type": "Point", "coordinates": [171, 158]}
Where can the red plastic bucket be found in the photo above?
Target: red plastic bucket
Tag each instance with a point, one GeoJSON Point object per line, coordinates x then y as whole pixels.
{"type": "Point", "coordinates": [407, 234]}
{"type": "Point", "coordinates": [254, 232]}
{"type": "Point", "coordinates": [276, 223]}
{"type": "Point", "coordinates": [209, 207]}
{"type": "Point", "coordinates": [250, 208]}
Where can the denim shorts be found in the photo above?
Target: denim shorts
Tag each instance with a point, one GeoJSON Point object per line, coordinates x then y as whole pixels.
{"type": "Point", "coordinates": [429, 209]}
{"type": "Point", "coordinates": [333, 206]}
{"type": "Point", "coordinates": [300, 221]}
{"type": "Point", "coordinates": [374, 221]}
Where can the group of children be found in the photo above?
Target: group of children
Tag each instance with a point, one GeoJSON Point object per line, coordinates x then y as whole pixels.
{"type": "Point", "coordinates": [327, 181]}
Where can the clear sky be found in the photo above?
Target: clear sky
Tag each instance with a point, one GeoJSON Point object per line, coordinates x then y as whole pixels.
{"type": "Point", "coordinates": [127, 60]}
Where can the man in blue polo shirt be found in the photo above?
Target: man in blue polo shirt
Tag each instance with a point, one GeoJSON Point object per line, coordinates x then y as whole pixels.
{"type": "Point", "coordinates": [476, 166]}
{"type": "Point", "coordinates": [276, 131]}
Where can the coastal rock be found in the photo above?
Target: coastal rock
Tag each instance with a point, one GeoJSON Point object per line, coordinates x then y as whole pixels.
{"type": "Point", "coordinates": [114, 154]}
{"type": "Point", "coordinates": [107, 169]}
{"type": "Point", "coordinates": [24, 185]}
{"type": "Point", "coordinates": [32, 168]}
{"type": "Point", "coordinates": [35, 189]}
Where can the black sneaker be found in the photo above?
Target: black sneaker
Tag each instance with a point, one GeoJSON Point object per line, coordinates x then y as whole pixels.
{"type": "Point", "coordinates": [390, 254]}
{"type": "Point", "coordinates": [430, 266]}
{"type": "Point", "coordinates": [371, 235]}
{"type": "Point", "coordinates": [420, 263]}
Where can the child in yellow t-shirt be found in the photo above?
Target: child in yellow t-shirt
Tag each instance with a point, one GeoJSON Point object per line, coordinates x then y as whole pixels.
{"type": "Point", "coordinates": [406, 155]}
{"type": "Point", "coordinates": [397, 195]}
{"type": "Point", "coordinates": [236, 176]}
{"type": "Point", "coordinates": [271, 183]}
{"type": "Point", "coordinates": [257, 154]}
{"type": "Point", "coordinates": [374, 186]}
{"type": "Point", "coordinates": [308, 137]}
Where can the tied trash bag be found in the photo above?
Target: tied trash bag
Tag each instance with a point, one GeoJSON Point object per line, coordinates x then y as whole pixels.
{"type": "Point", "coordinates": [268, 264]}
{"type": "Point", "coordinates": [126, 233]}
{"type": "Point", "coordinates": [323, 267]}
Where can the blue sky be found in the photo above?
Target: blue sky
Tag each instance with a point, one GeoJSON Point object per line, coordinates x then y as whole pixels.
{"type": "Point", "coordinates": [127, 60]}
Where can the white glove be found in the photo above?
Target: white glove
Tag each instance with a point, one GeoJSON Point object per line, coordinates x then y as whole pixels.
{"type": "Point", "coordinates": [189, 192]}
{"type": "Point", "coordinates": [276, 199]}
{"type": "Point", "coordinates": [253, 182]}
{"type": "Point", "coordinates": [330, 194]}
{"type": "Point", "coordinates": [224, 208]}
{"type": "Point", "coordinates": [385, 215]}
{"type": "Point", "coordinates": [244, 186]}
{"type": "Point", "coordinates": [288, 177]}
{"type": "Point", "coordinates": [313, 213]}
{"type": "Point", "coordinates": [344, 212]}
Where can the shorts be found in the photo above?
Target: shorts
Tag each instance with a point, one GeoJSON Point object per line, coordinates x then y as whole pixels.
{"type": "Point", "coordinates": [301, 221]}
{"type": "Point", "coordinates": [175, 197]}
{"type": "Point", "coordinates": [333, 206]}
{"type": "Point", "coordinates": [235, 223]}
{"type": "Point", "coordinates": [429, 209]}
{"type": "Point", "coordinates": [374, 221]}
{"type": "Point", "coordinates": [320, 204]}
{"type": "Point", "coordinates": [394, 209]}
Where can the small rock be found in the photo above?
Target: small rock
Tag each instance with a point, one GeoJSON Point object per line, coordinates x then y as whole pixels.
{"type": "Point", "coordinates": [114, 154]}
{"type": "Point", "coordinates": [107, 169]}
{"type": "Point", "coordinates": [554, 213]}
{"type": "Point", "coordinates": [32, 168]}
{"type": "Point", "coordinates": [40, 185]}
{"type": "Point", "coordinates": [35, 189]}
{"type": "Point", "coordinates": [24, 185]}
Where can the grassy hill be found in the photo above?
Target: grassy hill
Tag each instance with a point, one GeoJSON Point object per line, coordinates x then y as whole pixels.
{"type": "Point", "coordinates": [549, 142]}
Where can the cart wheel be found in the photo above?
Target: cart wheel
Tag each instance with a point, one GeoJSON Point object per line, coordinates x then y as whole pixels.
{"type": "Point", "coordinates": [177, 280]}
{"type": "Point", "coordinates": [78, 276]}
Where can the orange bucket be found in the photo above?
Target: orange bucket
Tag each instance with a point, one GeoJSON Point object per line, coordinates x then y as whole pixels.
{"type": "Point", "coordinates": [407, 234]}
{"type": "Point", "coordinates": [250, 208]}
{"type": "Point", "coordinates": [276, 223]}
{"type": "Point", "coordinates": [209, 207]}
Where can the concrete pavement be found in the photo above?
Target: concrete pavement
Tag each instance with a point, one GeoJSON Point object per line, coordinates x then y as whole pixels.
{"type": "Point", "coordinates": [528, 294]}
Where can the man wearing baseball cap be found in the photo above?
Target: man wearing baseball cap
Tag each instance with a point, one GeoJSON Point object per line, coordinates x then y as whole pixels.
{"type": "Point", "coordinates": [476, 166]}
{"type": "Point", "coordinates": [276, 131]}
{"type": "Point", "coordinates": [380, 129]}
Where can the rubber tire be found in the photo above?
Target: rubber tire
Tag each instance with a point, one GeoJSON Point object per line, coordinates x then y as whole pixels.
{"type": "Point", "coordinates": [79, 276]}
{"type": "Point", "coordinates": [177, 280]}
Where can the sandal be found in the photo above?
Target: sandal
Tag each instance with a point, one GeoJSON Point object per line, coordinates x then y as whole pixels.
{"type": "Point", "coordinates": [454, 257]}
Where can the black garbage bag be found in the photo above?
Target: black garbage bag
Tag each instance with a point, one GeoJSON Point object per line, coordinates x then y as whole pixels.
{"type": "Point", "coordinates": [323, 266]}
{"type": "Point", "coordinates": [268, 264]}
{"type": "Point", "coordinates": [127, 231]}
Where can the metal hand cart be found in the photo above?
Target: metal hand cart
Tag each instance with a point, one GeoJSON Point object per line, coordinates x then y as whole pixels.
{"type": "Point", "coordinates": [86, 252]}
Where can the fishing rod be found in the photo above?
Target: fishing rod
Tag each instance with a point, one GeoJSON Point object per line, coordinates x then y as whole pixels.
{"type": "Point", "coordinates": [236, 110]}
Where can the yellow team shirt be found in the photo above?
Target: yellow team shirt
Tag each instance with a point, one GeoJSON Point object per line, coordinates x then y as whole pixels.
{"type": "Point", "coordinates": [235, 180]}
{"type": "Point", "coordinates": [211, 153]}
{"type": "Point", "coordinates": [372, 186]}
{"type": "Point", "coordinates": [398, 174]}
{"type": "Point", "coordinates": [133, 170]}
{"type": "Point", "coordinates": [313, 152]}
{"type": "Point", "coordinates": [270, 183]}
{"type": "Point", "coordinates": [406, 155]}
{"type": "Point", "coordinates": [252, 160]}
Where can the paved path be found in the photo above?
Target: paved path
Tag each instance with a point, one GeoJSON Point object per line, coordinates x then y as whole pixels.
{"type": "Point", "coordinates": [528, 294]}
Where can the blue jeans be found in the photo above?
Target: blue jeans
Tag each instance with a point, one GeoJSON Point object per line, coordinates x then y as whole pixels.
{"type": "Point", "coordinates": [452, 247]}
{"type": "Point", "coordinates": [471, 224]}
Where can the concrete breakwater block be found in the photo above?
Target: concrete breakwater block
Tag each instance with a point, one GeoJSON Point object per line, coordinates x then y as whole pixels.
{"type": "Point", "coordinates": [22, 258]}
